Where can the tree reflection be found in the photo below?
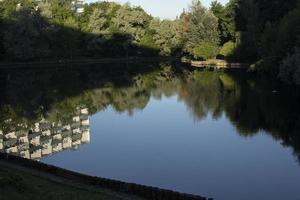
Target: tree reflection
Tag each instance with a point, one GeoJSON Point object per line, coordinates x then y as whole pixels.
{"type": "Point", "coordinates": [201, 93]}
{"type": "Point", "coordinates": [251, 104]}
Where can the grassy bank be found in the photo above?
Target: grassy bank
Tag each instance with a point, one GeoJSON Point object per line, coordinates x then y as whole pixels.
{"type": "Point", "coordinates": [19, 184]}
{"type": "Point", "coordinates": [61, 183]}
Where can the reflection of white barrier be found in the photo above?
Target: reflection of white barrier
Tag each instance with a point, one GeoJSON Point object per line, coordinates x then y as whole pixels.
{"type": "Point", "coordinates": [76, 119]}
{"type": "Point", "coordinates": [25, 154]}
{"type": "Point", "coordinates": [77, 131]}
{"type": "Point", "coordinates": [47, 149]}
{"type": "Point", "coordinates": [23, 139]}
{"type": "Point", "coordinates": [1, 140]}
{"type": "Point", "coordinates": [37, 154]}
{"type": "Point", "coordinates": [46, 138]}
{"type": "Point", "coordinates": [67, 143]}
{"type": "Point", "coordinates": [11, 135]}
{"type": "Point", "coordinates": [84, 111]}
{"type": "Point", "coordinates": [86, 136]}
{"type": "Point", "coordinates": [35, 140]}
{"type": "Point", "coordinates": [12, 150]}
{"type": "Point", "coordinates": [46, 133]}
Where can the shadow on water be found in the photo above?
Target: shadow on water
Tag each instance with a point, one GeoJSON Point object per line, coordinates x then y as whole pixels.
{"type": "Point", "coordinates": [49, 113]}
{"type": "Point", "coordinates": [57, 97]}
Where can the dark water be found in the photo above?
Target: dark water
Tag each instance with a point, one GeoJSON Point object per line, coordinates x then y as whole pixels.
{"type": "Point", "coordinates": [223, 135]}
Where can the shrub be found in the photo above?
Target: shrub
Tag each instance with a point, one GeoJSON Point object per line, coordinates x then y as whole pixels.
{"type": "Point", "coordinates": [289, 70]}
{"type": "Point", "coordinates": [205, 50]}
{"type": "Point", "coordinates": [148, 42]}
{"type": "Point", "coordinates": [228, 49]}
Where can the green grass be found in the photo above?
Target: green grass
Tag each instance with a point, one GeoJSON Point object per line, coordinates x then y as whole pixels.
{"type": "Point", "coordinates": [15, 185]}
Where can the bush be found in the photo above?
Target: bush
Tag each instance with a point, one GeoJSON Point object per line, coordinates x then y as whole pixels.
{"type": "Point", "coordinates": [289, 71]}
{"type": "Point", "coordinates": [205, 50]}
{"type": "Point", "coordinates": [148, 42]}
{"type": "Point", "coordinates": [228, 49]}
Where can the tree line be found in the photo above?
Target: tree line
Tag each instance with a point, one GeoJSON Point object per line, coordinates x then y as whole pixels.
{"type": "Point", "coordinates": [265, 33]}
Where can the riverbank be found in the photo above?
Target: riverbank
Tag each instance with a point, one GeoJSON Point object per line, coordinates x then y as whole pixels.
{"type": "Point", "coordinates": [215, 64]}
{"type": "Point", "coordinates": [22, 178]}
{"type": "Point", "coordinates": [64, 62]}
{"type": "Point", "coordinates": [210, 64]}
{"type": "Point", "coordinates": [17, 183]}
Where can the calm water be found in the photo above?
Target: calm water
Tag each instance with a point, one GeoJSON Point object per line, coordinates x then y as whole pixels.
{"type": "Point", "coordinates": [221, 135]}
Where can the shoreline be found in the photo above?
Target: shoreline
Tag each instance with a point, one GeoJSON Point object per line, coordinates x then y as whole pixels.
{"type": "Point", "coordinates": [46, 171]}
{"type": "Point", "coordinates": [210, 64]}
{"type": "Point", "coordinates": [63, 62]}
{"type": "Point", "coordinates": [215, 64]}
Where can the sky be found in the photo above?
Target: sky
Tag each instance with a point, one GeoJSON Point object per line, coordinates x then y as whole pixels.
{"type": "Point", "coordinates": [166, 9]}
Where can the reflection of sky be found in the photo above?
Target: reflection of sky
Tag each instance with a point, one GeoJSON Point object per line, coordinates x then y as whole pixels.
{"type": "Point", "coordinates": [163, 8]}
{"type": "Point", "coordinates": [164, 146]}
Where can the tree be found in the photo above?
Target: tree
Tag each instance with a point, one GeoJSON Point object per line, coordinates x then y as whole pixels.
{"type": "Point", "coordinates": [98, 22]}
{"type": "Point", "coordinates": [203, 27]}
{"type": "Point", "coordinates": [100, 19]}
{"type": "Point", "coordinates": [46, 9]}
{"type": "Point", "coordinates": [228, 49]}
{"type": "Point", "coordinates": [9, 7]}
{"type": "Point", "coordinates": [148, 42]}
{"type": "Point", "coordinates": [219, 11]}
{"type": "Point", "coordinates": [25, 37]}
{"type": "Point", "coordinates": [290, 68]}
{"type": "Point", "coordinates": [167, 35]}
{"type": "Point", "coordinates": [250, 31]}
{"type": "Point", "coordinates": [132, 20]}
{"type": "Point", "coordinates": [2, 51]}
{"type": "Point", "coordinates": [58, 10]}
{"type": "Point", "coordinates": [226, 19]}
{"type": "Point", "coordinates": [205, 50]}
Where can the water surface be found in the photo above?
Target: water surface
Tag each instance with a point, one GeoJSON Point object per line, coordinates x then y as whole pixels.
{"type": "Point", "coordinates": [216, 134]}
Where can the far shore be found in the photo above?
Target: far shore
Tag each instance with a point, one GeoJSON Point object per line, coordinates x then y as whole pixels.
{"type": "Point", "coordinates": [58, 62]}
{"type": "Point", "coordinates": [213, 63]}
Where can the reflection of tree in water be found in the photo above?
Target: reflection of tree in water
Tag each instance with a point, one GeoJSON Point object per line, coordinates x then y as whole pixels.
{"type": "Point", "coordinates": [251, 104]}
{"type": "Point", "coordinates": [201, 93]}
{"type": "Point", "coordinates": [248, 102]}
{"type": "Point", "coordinates": [258, 108]}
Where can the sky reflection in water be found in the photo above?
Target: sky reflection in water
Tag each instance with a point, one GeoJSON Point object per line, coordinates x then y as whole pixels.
{"type": "Point", "coordinates": [220, 135]}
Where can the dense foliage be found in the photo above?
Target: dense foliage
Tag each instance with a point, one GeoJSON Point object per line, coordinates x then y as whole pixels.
{"type": "Point", "coordinates": [202, 31]}
{"type": "Point", "coordinates": [52, 29]}
{"type": "Point", "coordinates": [259, 32]}
{"type": "Point", "coordinates": [263, 32]}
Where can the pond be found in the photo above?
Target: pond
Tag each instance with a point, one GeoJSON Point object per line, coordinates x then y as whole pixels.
{"type": "Point", "coordinates": [224, 135]}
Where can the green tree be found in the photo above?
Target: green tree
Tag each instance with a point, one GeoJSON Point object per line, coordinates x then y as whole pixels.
{"type": "Point", "coordinates": [98, 22]}
{"type": "Point", "coordinates": [132, 20]}
{"type": "Point", "coordinates": [226, 19]}
{"type": "Point", "coordinates": [290, 68]}
{"type": "Point", "coordinates": [100, 17]}
{"type": "Point", "coordinates": [148, 42]}
{"type": "Point", "coordinates": [25, 38]}
{"type": "Point", "coordinates": [228, 49]}
{"type": "Point", "coordinates": [167, 35]}
{"type": "Point", "coordinates": [57, 10]}
{"type": "Point", "coordinates": [203, 27]}
{"type": "Point", "coordinates": [205, 50]}
{"type": "Point", "coordinates": [250, 31]}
